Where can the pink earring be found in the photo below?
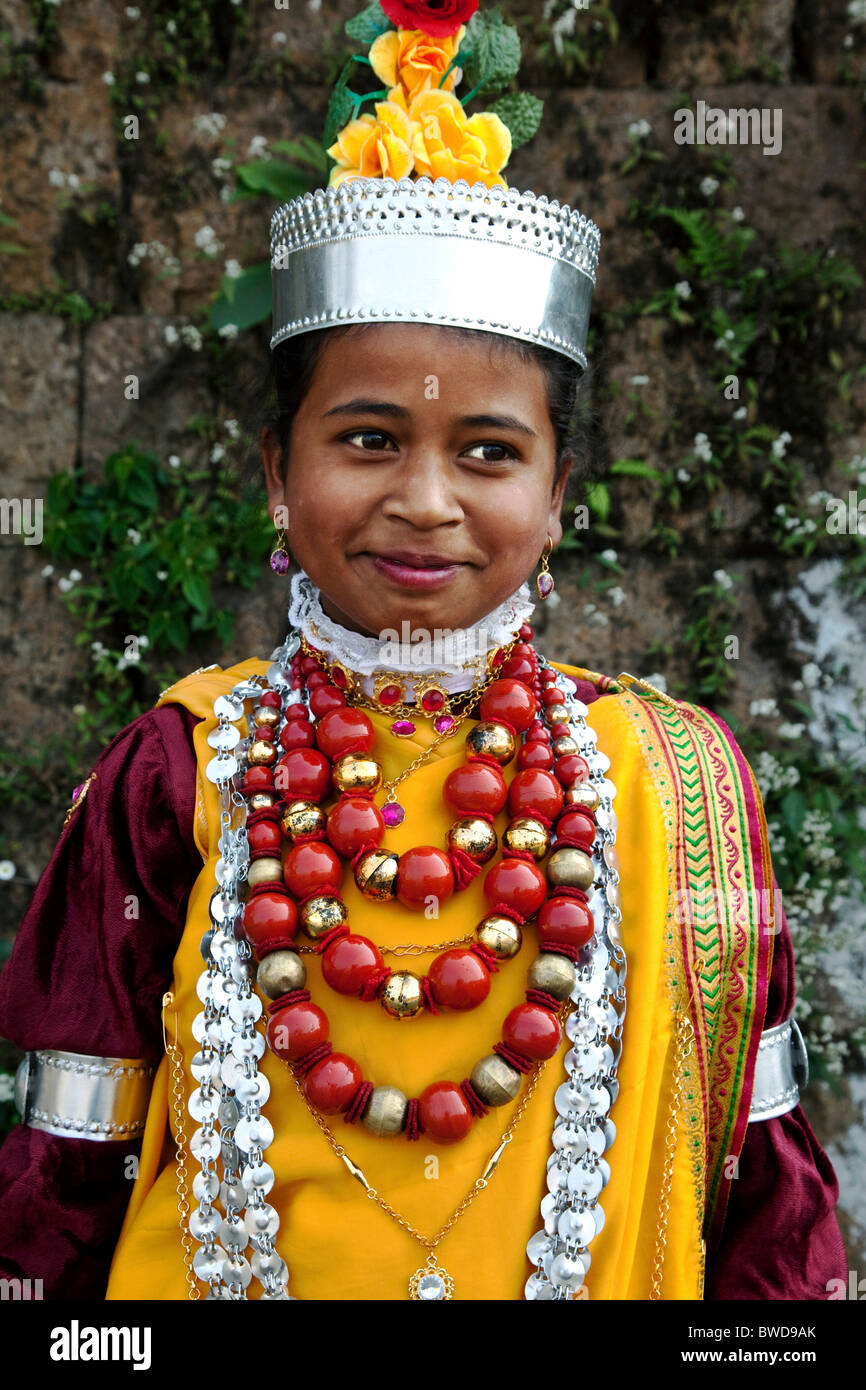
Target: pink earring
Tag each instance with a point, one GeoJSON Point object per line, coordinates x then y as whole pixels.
{"type": "Point", "coordinates": [544, 582]}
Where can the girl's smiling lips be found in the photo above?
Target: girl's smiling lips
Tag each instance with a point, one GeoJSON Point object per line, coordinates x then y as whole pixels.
{"type": "Point", "coordinates": [414, 569]}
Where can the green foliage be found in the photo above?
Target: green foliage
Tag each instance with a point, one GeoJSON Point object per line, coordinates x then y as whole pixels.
{"type": "Point", "coordinates": [521, 112]}
{"type": "Point", "coordinates": [369, 24]}
{"type": "Point", "coordinates": [491, 50]}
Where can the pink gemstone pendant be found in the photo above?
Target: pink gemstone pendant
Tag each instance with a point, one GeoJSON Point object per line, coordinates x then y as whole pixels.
{"type": "Point", "coordinates": [544, 583]}
{"type": "Point", "coordinates": [393, 813]}
{"type": "Point", "coordinates": [443, 723]}
{"type": "Point", "coordinates": [403, 727]}
{"type": "Point", "coordinates": [280, 562]}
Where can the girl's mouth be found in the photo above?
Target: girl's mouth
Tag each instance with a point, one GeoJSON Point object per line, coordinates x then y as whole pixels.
{"type": "Point", "coordinates": [414, 572]}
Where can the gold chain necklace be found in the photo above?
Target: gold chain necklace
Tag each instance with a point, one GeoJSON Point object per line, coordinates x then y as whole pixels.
{"type": "Point", "coordinates": [432, 1282]}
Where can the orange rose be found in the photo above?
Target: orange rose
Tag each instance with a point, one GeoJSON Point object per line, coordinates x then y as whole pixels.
{"type": "Point", "coordinates": [447, 145]}
{"type": "Point", "coordinates": [374, 146]}
{"type": "Point", "coordinates": [414, 60]}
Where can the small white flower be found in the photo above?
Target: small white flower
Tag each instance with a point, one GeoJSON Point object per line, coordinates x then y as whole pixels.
{"type": "Point", "coordinates": [171, 27]}
{"type": "Point", "coordinates": [79, 710]}
{"type": "Point", "coordinates": [258, 147]}
{"type": "Point", "coordinates": [47, 571]}
{"type": "Point", "coordinates": [232, 428]}
{"type": "Point", "coordinates": [121, 664]}
{"type": "Point", "coordinates": [708, 186]}
{"type": "Point", "coordinates": [848, 41]}
{"type": "Point", "coordinates": [144, 641]}
{"type": "Point", "coordinates": [226, 194]}
{"type": "Point", "coordinates": [683, 475]}
{"type": "Point", "coordinates": [133, 535]}
{"type": "Point", "coordinates": [191, 336]}
{"type": "Point", "coordinates": [162, 574]}
{"type": "Point", "coordinates": [617, 596]}
{"type": "Point", "coordinates": [171, 334]}
{"type": "Point", "coordinates": [174, 461]}
{"type": "Point", "coordinates": [7, 870]}
{"type": "Point", "coordinates": [609, 556]}
{"type": "Point", "coordinates": [763, 709]}
{"type": "Point", "coordinates": [740, 413]}
{"type": "Point", "coordinates": [811, 674]}
{"type": "Point", "coordinates": [233, 269]}
{"type": "Point", "coordinates": [75, 575]}
{"type": "Point", "coordinates": [737, 214]}
{"type": "Point", "coordinates": [217, 453]}
{"type": "Point", "coordinates": [683, 289]}
{"type": "Point", "coordinates": [640, 381]}
{"type": "Point", "coordinates": [857, 11]}
{"type": "Point", "coordinates": [791, 730]}
{"type": "Point", "coordinates": [220, 166]}
{"type": "Point", "coordinates": [57, 178]}
{"type": "Point", "coordinates": [723, 579]}
{"type": "Point", "coordinates": [729, 334]}
{"type": "Point", "coordinates": [228, 330]}
{"type": "Point", "coordinates": [132, 12]}
{"type": "Point", "coordinates": [640, 128]}
{"type": "Point", "coordinates": [142, 78]}
{"type": "Point", "coordinates": [278, 38]}
{"type": "Point", "coordinates": [210, 124]}
{"type": "Point", "coordinates": [109, 79]}
{"type": "Point", "coordinates": [64, 585]}
{"type": "Point", "coordinates": [703, 447]}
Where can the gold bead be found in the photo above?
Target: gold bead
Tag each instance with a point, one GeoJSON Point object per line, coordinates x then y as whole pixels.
{"type": "Point", "coordinates": [263, 752]}
{"type": "Point", "coordinates": [527, 833]}
{"type": "Point", "coordinates": [500, 935]}
{"type": "Point", "coordinates": [302, 818]}
{"type": "Point", "coordinates": [570, 868]}
{"type": "Point", "coordinates": [557, 714]}
{"type": "Point", "coordinates": [321, 914]}
{"type": "Point", "coordinates": [266, 717]}
{"type": "Point", "coordinates": [553, 973]}
{"type": "Point", "coordinates": [354, 772]}
{"type": "Point", "coordinates": [385, 1112]}
{"type": "Point", "coordinates": [475, 836]}
{"type": "Point", "coordinates": [376, 875]}
{"type": "Point", "coordinates": [564, 744]}
{"type": "Point", "coordinates": [279, 972]}
{"type": "Point", "coordinates": [262, 801]}
{"type": "Point", "coordinates": [401, 995]}
{"type": "Point", "coordinates": [493, 739]}
{"type": "Point", "coordinates": [264, 871]}
{"type": "Point", "coordinates": [495, 1080]}
{"type": "Point", "coordinates": [584, 794]}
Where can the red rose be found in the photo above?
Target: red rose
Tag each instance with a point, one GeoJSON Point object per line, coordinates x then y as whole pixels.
{"type": "Point", "coordinates": [438, 18]}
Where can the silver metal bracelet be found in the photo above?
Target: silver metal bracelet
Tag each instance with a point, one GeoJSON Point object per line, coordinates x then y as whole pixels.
{"type": "Point", "coordinates": [79, 1096]}
{"type": "Point", "coordinates": [781, 1069]}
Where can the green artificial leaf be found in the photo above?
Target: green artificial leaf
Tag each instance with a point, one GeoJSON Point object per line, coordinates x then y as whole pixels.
{"type": "Point", "coordinates": [634, 468]}
{"type": "Point", "coordinates": [495, 56]}
{"type": "Point", "coordinates": [274, 177]}
{"type": "Point", "coordinates": [340, 107]}
{"type": "Point", "coordinates": [369, 24]}
{"type": "Point", "coordinates": [245, 299]}
{"type": "Point", "coordinates": [521, 112]}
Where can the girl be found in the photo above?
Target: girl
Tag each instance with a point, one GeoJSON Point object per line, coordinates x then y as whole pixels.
{"type": "Point", "coordinates": [408, 903]}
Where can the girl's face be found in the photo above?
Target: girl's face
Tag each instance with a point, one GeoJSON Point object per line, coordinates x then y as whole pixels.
{"type": "Point", "coordinates": [420, 481]}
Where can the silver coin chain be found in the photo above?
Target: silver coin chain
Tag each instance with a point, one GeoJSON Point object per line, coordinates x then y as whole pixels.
{"type": "Point", "coordinates": [233, 1218]}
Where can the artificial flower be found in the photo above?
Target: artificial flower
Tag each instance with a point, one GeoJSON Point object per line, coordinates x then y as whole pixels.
{"type": "Point", "coordinates": [438, 18]}
{"type": "Point", "coordinates": [447, 145]}
{"type": "Point", "coordinates": [414, 60]}
{"type": "Point", "coordinates": [374, 146]}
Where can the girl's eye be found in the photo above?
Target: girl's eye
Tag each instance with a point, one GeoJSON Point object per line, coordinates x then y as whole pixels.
{"type": "Point", "coordinates": [379, 440]}
{"type": "Point", "coordinates": [504, 452]}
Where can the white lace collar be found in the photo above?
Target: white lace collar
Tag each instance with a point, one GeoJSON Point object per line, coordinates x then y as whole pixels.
{"type": "Point", "coordinates": [454, 659]}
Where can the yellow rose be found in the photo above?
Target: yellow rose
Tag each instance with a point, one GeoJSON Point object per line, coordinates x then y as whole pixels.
{"type": "Point", "coordinates": [447, 145]}
{"type": "Point", "coordinates": [414, 60]}
{"type": "Point", "coordinates": [374, 146]}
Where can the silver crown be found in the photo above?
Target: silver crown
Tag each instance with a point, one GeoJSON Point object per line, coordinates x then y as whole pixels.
{"type": "Point", "coordinates": [431, 251]}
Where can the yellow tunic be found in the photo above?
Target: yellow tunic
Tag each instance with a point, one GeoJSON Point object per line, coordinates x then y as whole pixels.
{"type": "Point", "coordinates": [337, 1242]}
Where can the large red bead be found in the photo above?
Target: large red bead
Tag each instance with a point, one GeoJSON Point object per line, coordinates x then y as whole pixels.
{"type": "Point", "coordinates": [518, 884]}
{"type": "Point", "coordinates": [297, 711]}
{"type": "Point", "coordinates": [552, 696]}
{"type": "Point", "coordinates": [424, 872]}
{"type": "Point", "coordinates": [537, 732]}
{"type": "Point", "coordinates": [307, 664]}
{"type": "Point", "coordinates": [344, 731]}
{"type": "Point", "coordinates": [570, 769]}
{"type": "Point", "coordinates": [303, 775]}
{"type": "Point", "coordinates": [565, 920]}
{"type": "Point", "coordinates": [534, 755]}
{"type": "Point", "coordinates": [535, 790]}
{"type": "Point", "coordinates": [269, 914]}
{"type": "Point", "coordinates": [444, 1112]}
{"type": "Point", "coordinates": [460, 980]}
{"type": "Point", "coordinates": [475, 787]}
{"type": "Point", "coordinates": [259, 777]}
{"type": "Point", "coordinates": [519, 668]}
{"type": "Point", "coordinates": [326, 699]}
{"type": "Point", "coordinates": [510, 700]}
{"type": "Point", "coordinates": [265, 835]}
{"type": "Point", "coordinates": [331, 1084]}
{"type": "Point", "coordinates": [312, 868]}
{"type": "Point", "coordinates": [294, 1031]}
{"type": "Point", "coordinates": [532, 1030]}
{"type": "Point", "coordinates": [577, 825]}
{"type": "Point", "coordinates": [298, 733]}
{"type": "Point", "coordinates": [355, 821]}
{"type": "Point", "coordinates": [349, 962]}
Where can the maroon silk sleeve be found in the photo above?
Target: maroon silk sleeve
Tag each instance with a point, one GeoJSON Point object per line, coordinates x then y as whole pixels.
{"type": "Point", "coordinates": [91, 960]}
{"type": "Point", "coordinates": [780, 1239]}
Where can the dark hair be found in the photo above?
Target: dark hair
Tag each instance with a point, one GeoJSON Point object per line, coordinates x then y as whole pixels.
{"type": "Point", "coordinates": [294, 361]}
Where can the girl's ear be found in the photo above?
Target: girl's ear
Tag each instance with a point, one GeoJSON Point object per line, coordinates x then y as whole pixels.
{"type": "Point", "coordinates": [272, 462]}
{"type": "Point", "coordinates": [554, 523]}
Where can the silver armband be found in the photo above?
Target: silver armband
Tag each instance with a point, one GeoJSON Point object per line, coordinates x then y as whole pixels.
{"type": "Point", "coordinates": [83, 1097]}
{"type": "Point", "coordinates": [781, 1069]}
